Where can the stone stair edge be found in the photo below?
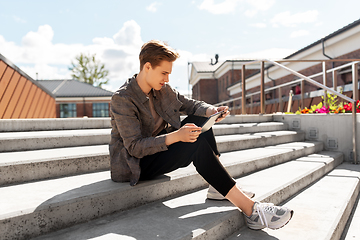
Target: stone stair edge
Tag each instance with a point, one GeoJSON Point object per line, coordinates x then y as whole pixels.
{"type": "Point", "coordinates": [194, 179]}
{"type": "Point", "coordinates": [229, 222]}
{"type": "Point", "coordinates": [15, 172]}
{"type": "Point", "coordinates": [23, 125]}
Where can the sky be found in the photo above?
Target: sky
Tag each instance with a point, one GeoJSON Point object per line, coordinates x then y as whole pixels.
{"type": "Point", "coordinates": [44, 37]}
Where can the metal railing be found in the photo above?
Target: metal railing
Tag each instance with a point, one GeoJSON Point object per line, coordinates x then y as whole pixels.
{"type": "Point", "coordinates": [354, 63]}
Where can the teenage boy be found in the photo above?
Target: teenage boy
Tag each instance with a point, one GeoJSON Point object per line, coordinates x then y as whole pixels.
{"type": "Point", "coordinates": [148, 139]}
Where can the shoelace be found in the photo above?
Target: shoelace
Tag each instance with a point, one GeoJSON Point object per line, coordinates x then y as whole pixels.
{"type": "Point", "coordinates": [261, 212]}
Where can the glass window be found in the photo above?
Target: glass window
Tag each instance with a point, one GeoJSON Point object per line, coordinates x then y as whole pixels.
{"type": "Point", "coordinates": [100, 109]}
{"type": "Point", "coordinates": [68, 110]}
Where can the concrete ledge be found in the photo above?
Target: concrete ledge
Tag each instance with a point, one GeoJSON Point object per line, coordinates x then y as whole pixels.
{"type": "Point", "coordinates": [20, 167]}
{"type": "Point", "coordinates": [329, 127]}
{"type": "Point", "coordinates": [43, 124]}
{"type": "Point", "coordinates": [22, 141]}
{"type": "Point", "coordinates": [242, 128]}
{"type": "Point", "coordinates": [229, 143]}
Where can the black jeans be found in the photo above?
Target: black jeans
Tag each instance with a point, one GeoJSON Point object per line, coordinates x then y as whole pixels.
{"type": "Point", "coordinates": [203, 153]}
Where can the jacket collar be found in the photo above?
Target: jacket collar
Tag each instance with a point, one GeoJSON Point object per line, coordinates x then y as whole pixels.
{"type": "Point", "coordinates": [137, 90]}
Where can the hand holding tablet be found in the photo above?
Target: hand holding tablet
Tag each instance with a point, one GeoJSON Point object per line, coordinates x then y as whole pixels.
{"type": "Point", "coordinates": [211, 121]}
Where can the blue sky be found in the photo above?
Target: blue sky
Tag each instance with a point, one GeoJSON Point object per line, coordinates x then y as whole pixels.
{"type": "Point", "coordinates": [43, 37]}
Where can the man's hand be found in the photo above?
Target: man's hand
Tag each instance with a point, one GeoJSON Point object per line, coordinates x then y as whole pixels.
{"type": "Point", "coordinates": [212, 110]}
{"type": "Point", "coordinates": [187, 133]}
{"type": "Point", "coordinates": [224, 115]}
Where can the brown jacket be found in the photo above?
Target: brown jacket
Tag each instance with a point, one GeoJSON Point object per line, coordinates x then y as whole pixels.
{"type": "Point", "coordinates": [133, 124]}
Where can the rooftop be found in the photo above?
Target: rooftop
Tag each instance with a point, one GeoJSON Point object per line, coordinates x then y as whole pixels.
{"type": "Point", "coordinates": [73, 88]}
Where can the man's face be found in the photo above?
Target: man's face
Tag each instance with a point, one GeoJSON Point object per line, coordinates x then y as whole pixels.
{"type": "Point", "coordinates": [158, 76]}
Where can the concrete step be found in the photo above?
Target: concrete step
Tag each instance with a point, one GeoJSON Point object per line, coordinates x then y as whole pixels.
{"type": "Point", "coordinates": [21, 166]}
{"type": "Point", "coordinates": [227, 143]}
{"type": "Point", "coordinates": [249, 118]}
{"type": "Point", "coordinates": [22, 141]}
{"type": "Point", "coordinates": [321, 210]}
{"type": "Point", "coordinates": [242, 128]}
{"type": "Point", "coordinates": [192, 216]}
{"type": "Point", "coordinates": [18, 167]}
{"type": "Point", "coordinates": [51, 124]}
{"type": "Point", "coordinates": [352, 230]}
{"type": "Point", "coordinates": [25, 125]}
{"type": "Point", "coordinates": [58, 203]}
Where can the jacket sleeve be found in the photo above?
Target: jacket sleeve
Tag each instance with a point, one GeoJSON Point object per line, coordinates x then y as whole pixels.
{"type": "Point", "coordinates": [128, 121]}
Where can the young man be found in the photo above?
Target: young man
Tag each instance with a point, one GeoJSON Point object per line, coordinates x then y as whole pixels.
{"type": "Point", "coordinates": [148, 139]}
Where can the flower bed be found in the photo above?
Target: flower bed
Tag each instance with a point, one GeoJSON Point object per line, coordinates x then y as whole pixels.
{"type": "Point", "coordinates": [332, 106]}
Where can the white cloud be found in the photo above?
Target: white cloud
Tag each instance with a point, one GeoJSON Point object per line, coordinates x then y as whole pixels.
{"type": "Point", "coordinates": [258, 25]}
{"type": "Point", "coordinates": [224, 7]}
{"type": "Point", "coordinates": [38, 54]}
{"type": "Point", "coordinates": [153, 7]}
{"type": "Point", "coordinates": [129, 35]}
{"type": "Point", "coordinates": [299, 33]}
{"type": "Point", "coordinates": [288, 20]}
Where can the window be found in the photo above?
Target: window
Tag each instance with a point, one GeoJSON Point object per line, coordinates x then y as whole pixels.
{"type": "Point", "coordinates": [100, 109]}
{"type": "Point", "coordinates": [68, 110]}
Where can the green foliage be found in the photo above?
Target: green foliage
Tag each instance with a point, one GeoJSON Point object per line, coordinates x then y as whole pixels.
{"type": "Point", "coordinates": [314, 107]}
{"type": "Point", "coordinates": [87, 69]}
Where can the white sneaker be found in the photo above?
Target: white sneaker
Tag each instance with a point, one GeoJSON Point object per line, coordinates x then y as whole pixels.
{"type": "Point", "coordinates": [213, 194]}
{"type": "Point", "coordinates": [267, 215]}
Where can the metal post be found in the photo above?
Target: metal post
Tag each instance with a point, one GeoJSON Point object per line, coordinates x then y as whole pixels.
{"type": "Point", "coordinates": [302, 93]}
{"type": "Point", "coordinates": [334, 76]}
{"type": "Point", "coordinates": [280, 101]}
{"type": "Point", "coordinates": [290, 101]}
{"type": "Point", "coordinates": [324, 83]}
{"type": "Point", "coordinates": [252, 104]}
{"type": "Point", "coordinates": [262, 88]}
{"type": "Point", "coordinates": [243, 93]}
{"type": "Point", "coordinates": [234, 107]}
{"type": "Point", "coordinates": [355, 79]}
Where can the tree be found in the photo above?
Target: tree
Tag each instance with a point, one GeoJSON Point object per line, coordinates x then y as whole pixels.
{"type": "Point", "coordinates": [89, 70]}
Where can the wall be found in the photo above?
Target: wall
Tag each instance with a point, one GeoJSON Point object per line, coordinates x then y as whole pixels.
{"type": "Point", "coordinates": [21, 96]}
{"type": "Point", "coordinates": [330, 128]}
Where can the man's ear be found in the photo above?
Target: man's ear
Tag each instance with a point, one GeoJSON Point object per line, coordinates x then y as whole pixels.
{"type": "Point", "coordinates": [147, 66]}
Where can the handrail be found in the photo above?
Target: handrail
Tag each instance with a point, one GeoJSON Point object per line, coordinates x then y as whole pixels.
{"type": "Point", "coordinates": [290, 83]}
{"type": "Point", "coordinates": [314, 82]}
{"type": "Point", "coordinates": [354, 63]}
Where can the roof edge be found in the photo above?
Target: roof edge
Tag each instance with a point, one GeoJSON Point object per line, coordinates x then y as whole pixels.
{"type": "Point", "coordinates": [12, 65]}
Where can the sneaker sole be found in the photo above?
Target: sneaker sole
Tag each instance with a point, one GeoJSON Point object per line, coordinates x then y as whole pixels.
{"type": "Point", "coordinates": [291, 214]}
{"type": "Point", "coordinates": [274, 228]}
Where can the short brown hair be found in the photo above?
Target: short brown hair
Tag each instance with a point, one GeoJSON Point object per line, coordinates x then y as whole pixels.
{"type": "Point", "coordinates": [156, 51]}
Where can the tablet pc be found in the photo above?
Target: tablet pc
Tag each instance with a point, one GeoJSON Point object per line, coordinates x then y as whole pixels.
{"type": "Point", "coordinates": [210, 121]}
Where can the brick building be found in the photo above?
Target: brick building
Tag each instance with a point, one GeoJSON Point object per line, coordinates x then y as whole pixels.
{"type": "Point", "coordinates": [78, 99]}
{"type": "Point", "coordinates": [211, 81]}
{"type": "Point", "coordinates": [341, 44]}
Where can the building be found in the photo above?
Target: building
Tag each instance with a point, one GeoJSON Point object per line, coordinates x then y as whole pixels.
{"type": "Point", "coordinates": [341, 44]}
{"type": "Point", "coordinates": [21, 96]}
{"type": "Point", "coordinates": [78, 99]}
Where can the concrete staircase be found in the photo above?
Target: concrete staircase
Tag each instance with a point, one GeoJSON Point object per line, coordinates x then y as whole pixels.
{"type": "Point", "coordinates": [55, 184]}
